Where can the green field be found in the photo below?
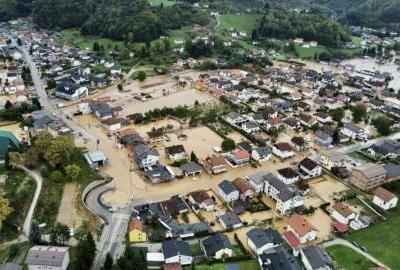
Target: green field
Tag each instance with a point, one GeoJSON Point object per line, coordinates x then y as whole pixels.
{"type": "Point", "coordinates": [247, 265]}
{"type": "Point", "coordinates": [239, 22]}
{"type": "Point", "coordinates": [159, 2]}
{"type": "Point", "coordinates": [349, 259]}
{"type": "Point", "coordinates": [382, 240]}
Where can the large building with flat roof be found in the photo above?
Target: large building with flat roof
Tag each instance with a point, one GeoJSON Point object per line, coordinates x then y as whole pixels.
{"type": "Point", "coordinates": [368, 176]}
{"type": "Point", "coordinates": [47, 257]}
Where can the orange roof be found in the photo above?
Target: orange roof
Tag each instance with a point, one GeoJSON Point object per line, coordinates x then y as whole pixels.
{"type": "Point", "coordinates": [215, 161]}
{"type": "Point", "coordinates": [136, 224]}
{"type": "Point", "coordinates": [241, 154]}
{"type": "Point", "coordinates": [300, 224]}
{"type": "Point", "coordinates": [291, 239]}
{"type": "Point", "coordinates": [242, 185]}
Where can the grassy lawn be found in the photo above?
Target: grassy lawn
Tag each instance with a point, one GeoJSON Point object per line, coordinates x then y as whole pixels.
{"type": "Point", "coordinates": [308, 52]}
{"type": "Point", "coordinates": [19, 189]}
{"type": "Point", "coordinates": [239, 22]}
{"type": "Point", "coordinates": [196, 249]}
{"type": "Point", "coordinates": [247, 265]}
{"type": "Point", "coordinates": [361, 157]}
{"type": "Point", "coordinates": [349, 259]}
{"type": "Point", "coordinates": [382, 240]}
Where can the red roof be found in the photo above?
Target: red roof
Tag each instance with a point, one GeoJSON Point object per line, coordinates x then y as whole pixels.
{"type": "Point", "coordinates": [340, 227]}
{"type": "Point", "coordinates": [241, 154]}
{"type": "Point", "coordinates": [291, 239]}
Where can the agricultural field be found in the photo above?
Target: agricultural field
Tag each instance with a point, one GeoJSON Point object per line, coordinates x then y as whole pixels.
{"type": "Point", "coordinates": [239, 22]}
{"type": "Point", "coordinates": [349, 259]}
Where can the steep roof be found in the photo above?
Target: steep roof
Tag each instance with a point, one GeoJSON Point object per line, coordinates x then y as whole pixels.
{"type": "Point", "coordinates": [384, 194]}
{"type": "Point", "coordinates": [318, 257]}
{"type": "Point", "coordinates": [227, 187]}
{"type": "Point", "coordinates": [172, 248]}
{"type": "Point", "coordinates": [261, 237]}
{"type": "Point", "coordinates": [300, 224]}
{"type": "Point", "coordinates": [216, 243]}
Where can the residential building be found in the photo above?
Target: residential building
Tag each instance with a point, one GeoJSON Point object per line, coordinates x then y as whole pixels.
{"type": "Point", "coordinates": [96, 158]}
{"type": "Point", "coordinates": [176, 152]}
{"type": "Point", "coordinates": [260, 240]}
{"type": "Point", "coordinates": [240, 158]}
{"type": "Point", "coordinates": [342, 213]}
{"type": "Point", "coordinates": [384, 198]}
{"type": "Point", "coordinates": [301, 228]}
{"type": "Point", "coordinates": [177, 252]}
{"type": "Point", "coordinates": [145, 156]}
{"type": "Point", "coordinates": [299, 143]}
{"type": "Point", "coordinates": [71, 91]}
{"type": "Point", "coordinates": [245, 189]}
{"type": "Point", "coordinates": [261, 154]}
{"type": "Point", "coordinates": [217, 246]}
{"type": "Point", "coordinates": [282, 150]}
{"type": "Point", "coordinates": [368, 176]}
{"type": "Point", "coordinates": [257, 181]}
{"type": "Point", "coordinates": [278, 259]}
{"type": "Point", "coordinates": [228, 191]}
{"type": "Point", "coordinates": [230, 221]}
{"type": "Point", "coordinates": [288, 175]}
{"type": "Point", "coordinates": [354, 132]}
{"type": "Point", "coordinates": [215, 164]}
{"type": "Point", "coordinates": [316, 258]}
{"type": "Point", "coordinates": [191, 168]}
{"type": "Point", "coordinates": [47, 257]}
{"type": "Point", "coordinates": [201, 200]}
{"type": "Point", "coordinates": [309, 168]}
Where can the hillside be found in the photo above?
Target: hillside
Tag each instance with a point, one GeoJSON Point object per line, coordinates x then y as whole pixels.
{"type": "Point", "coordinates": [11, 9]}
{"type": "Point", "coordinates": [130, 20]}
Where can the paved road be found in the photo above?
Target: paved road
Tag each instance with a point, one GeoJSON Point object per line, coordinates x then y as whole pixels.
{"type": "Point", "coordinates": [361, 145]}
{"type": "Point", "coordinates": [340, 241]}
{"type": "Point", "coordinates": [28, 219]}
{"type": "Point", "coordinates": [43, 98]}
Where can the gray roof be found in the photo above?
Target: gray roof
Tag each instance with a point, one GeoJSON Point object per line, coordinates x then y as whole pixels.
{"type": "Point", "coordinates": [227, 187]}
{"type": "Point", "coordinates": [10, 266]}
{"type": "Point", "coordinates": [388, 147]}
{"type": "Point", "coordinates": [317, 257]}
{"type": "Point", "coordinates": [216, 243]}
{"type": "Point", "coordinates": [278, 259]}
{"type": "Point", "coordinates": [258, 178]}
{"type": "Point", "coordinates": [261, 237]}
{"type": "Point", "coordinates": [392, 170]}
{"type": "Point", "coordinates": [371, 170]}
{"type": "Point", "coordinates": [46, 255]}
{"type": "Point", "coordinates": [191, 167]}
{"type": "Point", "coordinates": [95, 156]}
{"type": "Point", "coordinates": [230, 219]}
{"type": "Point", "coordinates": [172, 248]}
{"type": "Point", "coordinates": [263, 151]}
{"type": "Point", "coordinates": [159, 172]}
{"type": "Point", "coordinates": [286, 192]}
{"type": "Point", "coordinates": [141, 151]}
{"type": "Point", "coordinates": [352, 127]}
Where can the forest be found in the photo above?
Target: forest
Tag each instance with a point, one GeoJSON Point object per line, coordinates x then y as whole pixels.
{"type": "Point", "coordinates": [311, 26]}
{"type": "Point", "coordinates": [129, 20]}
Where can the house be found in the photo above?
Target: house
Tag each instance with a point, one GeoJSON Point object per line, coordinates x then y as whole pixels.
{"type": "Point", "coordinates": [235, 119]}
{"type": "Point", "coordinates": [250, 127]}
{"type": "Point", "coordinates": [323, 118]}
{"type": "Point", "coordinates": [215, 164]}
{"type": "Point", "coordinates": [316, 258]}
{"type": "Point", "coordinates": [307, 120]}
{"type": "Point", "coordinates": [240, 158]}
{"type": "Point", "coordinates": [201, 200]}
{"type": "Point", "coordinates": [323, 138]}
{"type": "Point", "coordinates": [230, 221]}
{"type": "Point", "coordinates": [176, 152]}
{"type": "Point", "coordinates": [47, 257]}
{"type": "Point", "coordinates": [392, 172]}
{"type": "Point", "coordinates": [137, 233]}
{"type": "Point", "coordinates": [387, 149]}
{"type": "Point", "coordinates": [342, 213]}
{"type": "Point", "coordinates": [177, 252]}
{"type": "Point", "coordinates": [303, 230]}
{"type": "Point", "coordinates": [299, 143]}
{"type": "Point", "coordinates": [260, 240]}
{"type": "Point", "coordinates": [288, 175]}
{"type": "Point", "coordinates": [191, 168]}
{"type": "Point", "coordinates": [309, 168]}
{"type": "Point", "coordinates": [354, 132]}
{"type": "Point", "coordinates": [282, 150]}
{"type": "Point", "coordinates": [368, 176]}
{"type": "Point", "coordinates": [257, 181]}
{"type": "Point", "coordinates": [155, 137]}
{"type": "Point", "coordinates": [278, 259]}
{"type": "Point", "coordinates": [145, 156]}
{"type": "Point", "coordinates": [8, 143]}
{"type": "Point", "coordinates": [245, 145]}
{"type": "Point", "coordinates": [270, 112]}
{"type": "Point", "coordinates": [286, 196]}
{"type": "Point", "coordinates": [261, 154]}
{"type": "Point", "coordinates": [292, 123]}
{"type": "Point", "coordinates": [159, 173]}
{"type": "Point", "coordinates": [228, 191]}
{"type": "Point", "coordinates": [334, 159]}
{"type": "Point", "coordinates": [217, 246]}
{"type": "Point", "coordinates": [71, 91]}
{"type": "Point", "coordinates": [245, 189]}
{"type": "Point", "coordinates": [113, 124]}
{"type": "Point", "coordinates": [95, 158]}
{"type": "Point", "coordinates": [384, 198]}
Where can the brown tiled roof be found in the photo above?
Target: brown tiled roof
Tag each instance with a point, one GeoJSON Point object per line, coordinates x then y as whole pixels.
{"type": "Point", "coordinates": [242, 185]}
{"type": "Point", "coordinates": [288, 172]}
{"type": "Point", "coordinates": [300, 224]}
{"type": "Point", "coordinates": [155, 134]}
{"type": "Point", "coordinates": [309, 164]}
{"type": "Point", "coordinates": [215, 161]}
{"type": "Point", "coordinates": [241, 154]}
{"type": "Point", "coordinates": [384, 194]}
{"type": "Point", "coordinates": [175, 149]}
{"type": "Point", "coordinates": [283, 146]}
{"type": "Point", "coordinates": [136, 224]}
{"type": "Point", "coordinates": [126, 132]}
{"type": "Point", "coordinates": [298, 141]}
{"type": "Point", "coordinates": [342, 209]}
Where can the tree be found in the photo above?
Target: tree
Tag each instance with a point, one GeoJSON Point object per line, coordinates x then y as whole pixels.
{"type": "Point", "coordinates": [142, 75]}
{"type": "Point", "coordinates": [120, 87]}
{"type": "Point", "coordinates": [338, 114]}
{"type": "Point", "coordinates": [96, 47]}
{"type": "Point", "coordinates": [193, 157]}
{"type": "Point", "coordinates": [59, 151]}
{"type": "Point", "coordinates": [108, 263]}
{"type": "Point", "coordinates": [86, 251]}
{"type": "Point", "coordinates": [228, 145]}
{"type": "Point", "coordinates": [73, 171]}
{"type": "Point", "coordinates": [5, 208]}
{"type": "Point", "coordinates": [336, 137]}
{"type": "Point", "coordinates": [382, 125]}
{"type": "Point", "coordinates": [60, 234]}
{"type": "Point", "coordinates": [35, 235]}
{"type": "Point", "coordinates": [56, 176]}
{"type": "Point", "coordinates": [41, 142]}
{"type": "Point", "coordinates": [359, 113]}
{"type": "Point", "coordinates": [16, 159]}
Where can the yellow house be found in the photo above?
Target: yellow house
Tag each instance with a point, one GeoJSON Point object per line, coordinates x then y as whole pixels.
{"type": "Point", "coordinates": [137, 236]}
